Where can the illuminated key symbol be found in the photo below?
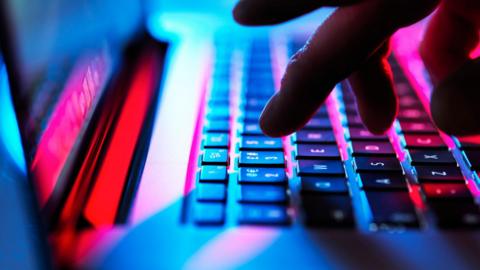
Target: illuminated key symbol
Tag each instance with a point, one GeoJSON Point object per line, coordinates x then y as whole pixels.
{"type": "Point", "coordinates": [317, 151]}
{"type": "Point", "coordinates": [372, 148]}
{"type": "Point", "coordinates": [320, 167]}
{"type": "Point", "coordinates": [268, 175]}
{"type": "Point", "coordinates": [251, 142]}
{"type": "Point", "coordinates": [314, 135]}
{"type": "Point", "coordinates": [375, 164]}
{"type": "Point", "coordinates": [364, 133]}
{"type": "Point", "coordinates": [439, 173]}
{"type": "Point", "coordinates": [424, 141]}
{"type": "Point", "coordinates": [431, 157]}
{"type": "Point", "coordinates": [384, 181]}
{"type": "Point", "coordinates": [271, 158]}
{"type": "Point", "coordinates": [216, 139]}
{"type": "Point", "coordinates": [323, 185]}
{"type": "Point", "coordinates": [215, 155]}
{"type": "Point", "coordinates": [269, 142]}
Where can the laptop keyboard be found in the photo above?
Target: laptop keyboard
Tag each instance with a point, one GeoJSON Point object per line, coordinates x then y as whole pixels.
{"type": "Point", "coordinates": [332, 173]}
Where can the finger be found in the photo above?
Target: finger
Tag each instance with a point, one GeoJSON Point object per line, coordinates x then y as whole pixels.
{"type": "Point", "coordinates": [265, 12]}
{"type": "Point", "coordinates": [372, 84]}
{"type": "Point", "coordinates": [454, 104]}
{"type": "Point", "coordinates": [451, 35]}
{"type": "Point", "coordinates": [342, 44]}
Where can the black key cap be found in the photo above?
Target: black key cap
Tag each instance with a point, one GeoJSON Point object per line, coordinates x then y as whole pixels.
{"type": "Point", "coordinates": [429, 141]}
{"type": "Point", "coordinates": [211, 192]}
{"type": "Point", "coordinates": [382, 181]}
{"type": "Point", "coordinates": [447, 191]}
{"type": "Point", "coordinates": [328, 211]}
{"type": "Point", "coordinates": [377, 164]}
{"type": "Point", "coordinates": [215, 156]}
{"type": "Point", "coordinates": [320, 167]}
{"type": "Point", "coordinates": [365, 135]}
{"type": "Point", "coordinates": [318, 123]}
{"type": "Point", "coordinates": [317, 151]}
{"type": "Point", "coordinates": [263, 214]}
{"type": "Point", "coordinates": [456, 214]}
{"type": "Point", "coordinates": [217, 126]}
{"type": "Point", "coordinates": [216, 140]}
{"type": "Point", "coordinates": [212, 173]}
{"type": "Point", "coordinates": [261, 159]}
{"type": "Point", "coordinates": [251, 129]}
{"type": "Point", "coordinates": [262, 194]}
{"type": "Point", "coordinates": [439, 174]}
{"type": "Point", "coordinates": [393, 208]}
{"type": "Point", "coordinates": [311, 136]}
{"type": "Point", "coordinates": [324, 184]}
{"type": "Point", "coordinates": [260, 143]}
{"type": "Point", "coordinates": [377, 148]}
{"type": "Point", "coordinates": [472, 157]}
{"type": "Point", "coordinates": [209, 213]}
{"type": "Point", "coordinates": [262, 176]}
{"type": "Point", "coordinates": [432, 157]}
{"type": "Point", "coordinates": [418, 128]}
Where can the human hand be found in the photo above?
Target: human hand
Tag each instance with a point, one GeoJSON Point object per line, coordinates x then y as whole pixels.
{"type": "Point", "coordinates": [353, 43]}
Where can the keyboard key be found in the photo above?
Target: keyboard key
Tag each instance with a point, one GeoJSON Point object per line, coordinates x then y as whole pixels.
{"type": "Point", "coordinates": [324, 184]}
{"type": "Point", "coordinates": [432, 157]}
{"type": "Point", "coordinates": [382, 181]}
{"type": "Point", "coordinates": [260, 143]}
{"type": "Point", "coordinates": [215, 156]}
{"type": "Point", "coordinates": [377, 164]}
{"type": "Point", "coordinates": [263, 214]}
{"type": "Point", "coordinates": [328, 211]}
{"type": "Point", "coordinates": [213, 173]}
{"type": "Point", "coordinates": [447, 191]}
{"type": "Point", "coordinates": [209, 213]}
{"type": "Point", "coordinates": [318, 123]}
{"type": "Point", "coordinates": [216, 140]}
{"type": "Point", "coordinates": [217, 126]}
{"type": "Point", "coordinates": [317, 151]}
{"type": "Point", "coordinates": [372, 148]}
{"type": "Point", "coordinates": [262, 159]}
{"type": "Point", "coordinates": [456, 214]}
{"type": "Point", "coordinates": [418, 128]}
{"type": "Point", "coordinates": [365, 135]}
{"type": "Point", "coordinates": [251, 129]}
{"type": "Point", "coordinates": [392, 208]}
{"type": "Point", "coordinates": [218, 113]}
{"type": "Point", "coordinates": [472, 157]}
{"type": "Point", "coordinates": [413, 115]}
{"type": "Point", "coordinates": [409, 102]}
{"type": "Point", "coordinates": [211, 192]}
{"type": "Point", "coordinates": [320, 167]}
{"type": "Point", "coordinates": [438, 174]}
{"type": "Point", "coordinates": [317, 136]}
{"type": "Point", "coordinates": [262, 194]}
{"type": "Point", "coordinates": [262, 176]}
{"type": "Point", "coordinates": [424, 141]}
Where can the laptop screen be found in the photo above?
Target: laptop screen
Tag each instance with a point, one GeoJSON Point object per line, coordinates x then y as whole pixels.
{"type": "Point", "coordinates": [60, 55]}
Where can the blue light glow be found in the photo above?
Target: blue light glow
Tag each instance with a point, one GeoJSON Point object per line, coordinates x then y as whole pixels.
{"type": "Point", "coordinates": [9, 133]}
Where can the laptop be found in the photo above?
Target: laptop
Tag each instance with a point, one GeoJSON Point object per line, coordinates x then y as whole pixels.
{"type": "Point", "coordinates": [138, 132]}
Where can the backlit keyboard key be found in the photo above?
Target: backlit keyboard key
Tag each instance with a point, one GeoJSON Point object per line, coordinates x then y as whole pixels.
{"type": "Point", "coordinates": [261, 159]}
{"type": "Point", "coordinates": [392, 208]}
{"type": "Point", "coordinates": [318, 123]}
{"type": "Point", "coordinates": [216, 140]}
{"type": "Point", "coordinates": [251, 129]}
{"type": "Point", "coordinates": [260, 143]}
{"type": "Point", "coordinates": [432, 157]}
{"type": "Point", "coordinates": [447, 191]}
{"type": "Point", "coordinates": [439, 174]}
{"type": "Point", "coordinates": [372, 148]}
{"type": "Point", "coordinates": [418, 127]}
{"type": "Point", "coordinates": [324, 185]}
{"type": "Point", "coordinates": [317, 151]}
{"type": "Point", "coordinates": [213, 173]}
{"type": "Point", "coordinates": [310, 136]}
{"type": "Point", "coordinates": [363, 134]}
{"type": "Point", "coordinates": [413, 115]}
{"type": "Point", "coordinates": [211, 192]}
{"type": "Point", "coordinates": [215, 156]}
{"type": "Point", "coordinates": [320, 167]}
{"type": "Point", "coordinates": [262, 176]}
{"type": "Point", "coordinates": [382, 181]}
{"type": "Point", "coordinates": [262, 194]}
{"type": "Point", "coordinates": [333, 211]}
{"type": "Point", "coordinates": [428, 141]}
{"type": "Point", "coordinates": [209, 213]}
{"type": "Point", "coordinates": [377, 164]}
{"type": "Point", "coordinates": [262, 214]}
{"type": "Point", "coordinates": [217, 126]}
